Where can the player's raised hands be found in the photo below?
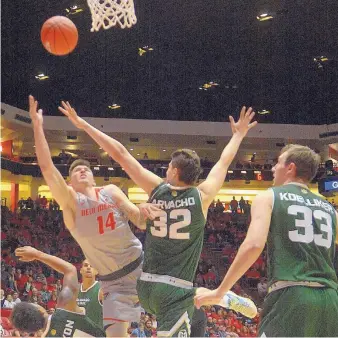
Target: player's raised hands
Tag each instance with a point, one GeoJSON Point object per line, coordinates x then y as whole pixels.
{"type": "Point", "coordinates": [27, 254]}
{"type": "Point", "coordinates": [34, 113]}
{"type": "Point", "coordinates": [244, 124]}
{"type": "Point", "coordinates": [71, 113]}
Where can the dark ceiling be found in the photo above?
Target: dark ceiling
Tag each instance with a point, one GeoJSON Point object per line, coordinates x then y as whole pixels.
{"type": "Point", "coordinates": [268, 65]}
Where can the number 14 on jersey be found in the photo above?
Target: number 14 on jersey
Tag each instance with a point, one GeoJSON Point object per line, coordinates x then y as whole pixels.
{"type": "Point", "coordinates": [107, 223]}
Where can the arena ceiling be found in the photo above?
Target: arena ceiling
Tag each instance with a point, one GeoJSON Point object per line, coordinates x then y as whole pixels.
{"type": "Point", "coordinates": [270, 65]}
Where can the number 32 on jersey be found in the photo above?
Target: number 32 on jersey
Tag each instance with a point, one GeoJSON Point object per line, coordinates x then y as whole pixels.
{"type": "Point", "coordinates": [161, 227]}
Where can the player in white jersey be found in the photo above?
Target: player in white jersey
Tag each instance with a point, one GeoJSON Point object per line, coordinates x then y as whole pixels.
{"type": "Point", "coordinates": [98, 220]}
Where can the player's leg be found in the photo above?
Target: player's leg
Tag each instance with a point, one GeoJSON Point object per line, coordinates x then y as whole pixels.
{"type": "Point", "coordinates": [231, 301]}
{"type": "Point", "coordinates": [120, 305]}
{"type": "Point", "coordinates": [115, 328]}
{"type": "Point", "coordinates": [327, 327]}
{"type": "Point", "coordinates": [175, 319]}
{"type": "Point", "coordinates": [295, 312]}
{"type": "Point", "coordinates": [198, 323]}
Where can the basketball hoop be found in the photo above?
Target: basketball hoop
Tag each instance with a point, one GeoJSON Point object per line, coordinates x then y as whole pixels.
{"type": "Point", "coordinates": [109, 13]}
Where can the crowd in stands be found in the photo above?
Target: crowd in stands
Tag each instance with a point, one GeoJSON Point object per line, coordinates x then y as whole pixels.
{"type": "Point", "coordinates": [40, 224]}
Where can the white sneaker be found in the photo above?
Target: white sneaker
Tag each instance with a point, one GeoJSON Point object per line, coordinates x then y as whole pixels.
{"type": "Point", "coordinates": [245, 306]}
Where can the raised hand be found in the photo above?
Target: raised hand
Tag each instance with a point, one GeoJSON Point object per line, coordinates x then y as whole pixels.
{"type": "Point", "coordinates": [243, 125]}
{"type": "Point", "coordinates": [70, 112]}
{"type": "Point", "coordinates": [34, 113]}
{"type": "Point", "coordinates": [27, 253]}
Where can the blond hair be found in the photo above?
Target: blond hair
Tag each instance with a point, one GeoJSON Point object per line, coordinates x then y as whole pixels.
{"type": "Point", "coordinates": [77, 163]}
{"type": "Point", "coordinates": [305, 159]}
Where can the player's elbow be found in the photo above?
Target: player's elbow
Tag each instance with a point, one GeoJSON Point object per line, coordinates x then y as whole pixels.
{"type": "Point", "coordinates": [254, 246]}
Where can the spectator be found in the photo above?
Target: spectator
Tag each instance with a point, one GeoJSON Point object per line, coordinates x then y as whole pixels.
{"type": "Point", "coordinates": [44, 202]}
{"type": "Point", "coordinates": [219, 207]}
{"type": "Point", "coordinates": [139, 331]}
{"type": "Point", "coordinates": [4, 276]}
{"type": "Point", "coordinates": [21, 204]}
{"type": "Point", "coordinates": [242, 205]}
{"type": "Point", "coordinates": [148, 328]}
{"type": "Point", "coordinates": [2, 297]}
{"type": "Point", "coordinates": [234, 205]}
{"type": "Point", "coordinates": [52, 302]}
{"type": "Point", "coordinates": [247, 207]}
{"type": "Point", "coordinates": [16, 298]}
{"type": "Point", "coordinates": [29, 204]}
{"type": "Point", "coordinates": [9, 303]}
{"type": "Point", "coordinates": [45, 294]}
{"type": "Point", "coordinates": [12, 283]}
{"type": "Point", "coordinates": [33, 298]}
{"type": "Point", "coordinates": [51, 310]}
{"type": "Point", "coordinates": [145, 156]}
{"type": "Point", "coordinates": [58, 286]}
{"type": "Point", "coordinates": [21, 279]}
{"type": "Point", "coordinates": [28, 286]}
{"type": "Point", "coordinates": [64, 157]}
{"type": "Point", "coordinates": [51, 279]}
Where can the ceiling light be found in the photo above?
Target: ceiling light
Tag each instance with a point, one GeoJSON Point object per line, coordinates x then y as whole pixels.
{"type": "Point", "coordinates": [264, 17]}
{"type": "Point", "coordinates": [114, 106]}
{"type": "Point", "coordinates": [264, 112]}
{"type": "Point", "coordinates": [131, 149]}
{"type": "Point", "coordinates": [96, 168]}
{"type": "Point", "coordinates": [243, 172]}
{"type": "Point", "coordinates": [230, 171]}
{"type": "Point", "coordinates": [143, 50]}
{"type": "Point", "coordinates": [74, 9]}
{"type": "Point", "coordinates": [138, 154]}
{"type": "Point", "coordinates": [110, 168]}
{"type": "Point", "coordinates": [320, 60]}
{"type": "Point", "coordinates": [164, 150]}
{"type": "Point", "coordinates": [41, 77]}
{"type": "Point", "coordinates": [208, 85]}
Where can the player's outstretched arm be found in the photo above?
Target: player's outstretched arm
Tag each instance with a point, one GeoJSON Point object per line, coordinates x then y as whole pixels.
{"type": "Point", "coordinates": [60, 191]}
{"type": "Point", "coordinates": [141, 176]}
{"type": "Point", "coordinates": [214, 181]}
{"type": "Point", "coordinates": [68, 295]}
{"type": "Point", "coordinates": [248, 252]}
{"type": "Point", "coordinates": [137, 214]}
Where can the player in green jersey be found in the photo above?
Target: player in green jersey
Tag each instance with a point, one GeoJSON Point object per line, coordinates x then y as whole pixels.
{"type": "Point", "coordinates": [175, 238]}
{"type": "Point", "coordinates": [69, 320]}
{"type": "Point", "coordinates": [90, 295]}
{"type": "Point", "coordinates": [300, 229]}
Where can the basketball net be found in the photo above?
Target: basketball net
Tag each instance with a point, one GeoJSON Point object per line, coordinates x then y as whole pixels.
{"type": "Point", "coordinates": [109, 13]}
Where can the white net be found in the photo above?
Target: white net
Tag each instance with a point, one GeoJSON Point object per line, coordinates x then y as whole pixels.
{"type": "Point", "coordinates": [109, 13]}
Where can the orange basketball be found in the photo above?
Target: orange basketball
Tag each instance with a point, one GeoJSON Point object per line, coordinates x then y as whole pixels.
{"type": "Point", "coordinates": [59, 35]}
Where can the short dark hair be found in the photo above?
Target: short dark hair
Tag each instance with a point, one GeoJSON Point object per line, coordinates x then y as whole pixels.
{"type": "Point", "coordinates": [27, 317]}
{"type": "Point", "coordinates": [77, 163]}
{"type": "Point", "coordinates": [188, 164]}
{"type": "Point", "coordinates": [305, 159]}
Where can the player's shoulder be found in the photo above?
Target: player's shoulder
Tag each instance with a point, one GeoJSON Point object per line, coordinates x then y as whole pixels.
{"type": "Point", "coordinates": [265, 197]}
{"type": "Point", "coordinates": [162, 187]}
